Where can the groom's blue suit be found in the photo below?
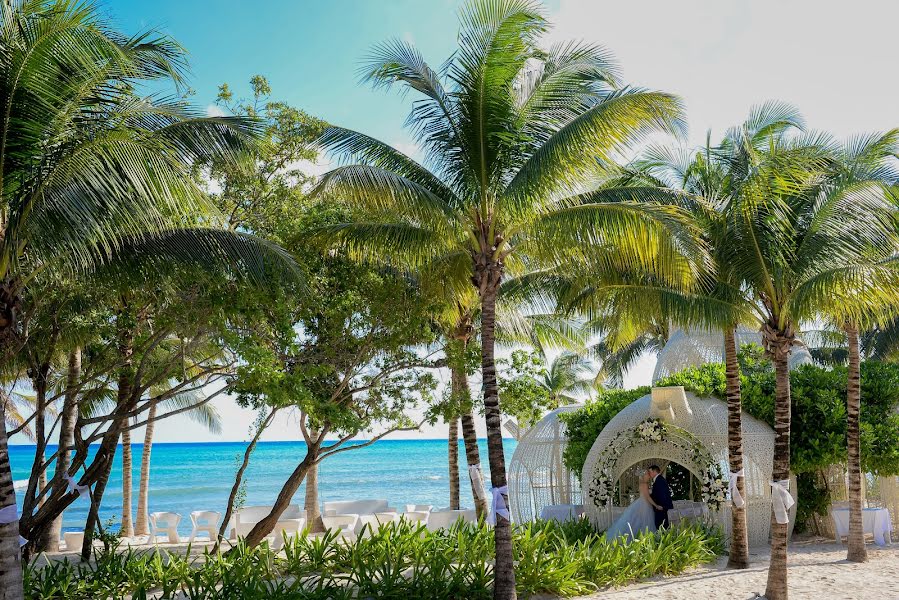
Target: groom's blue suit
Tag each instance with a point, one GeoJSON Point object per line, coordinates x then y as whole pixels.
{"type": "Point", "coordinates": [661, 495]}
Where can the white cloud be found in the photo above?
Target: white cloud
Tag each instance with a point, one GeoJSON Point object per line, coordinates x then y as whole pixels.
{"type": "Point", "coordinates": [213, 110]}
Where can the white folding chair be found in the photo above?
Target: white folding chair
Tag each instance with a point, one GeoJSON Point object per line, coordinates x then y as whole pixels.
{"type": "Point", "coordinates": [205, 521]}
{"type": "Point", "coordinates": [165, 523]}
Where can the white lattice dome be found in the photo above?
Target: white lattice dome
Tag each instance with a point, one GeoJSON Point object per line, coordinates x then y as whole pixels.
{"type": "Point", "coordinates": [704, 419]}
{"type": "Point", "coordinates": [537, 476]}
{"type": "Point", "coordinates": [694, 347]}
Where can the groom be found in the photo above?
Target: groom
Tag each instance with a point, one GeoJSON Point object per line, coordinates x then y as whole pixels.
{"type": "Point", "coordinates": [660, 494]}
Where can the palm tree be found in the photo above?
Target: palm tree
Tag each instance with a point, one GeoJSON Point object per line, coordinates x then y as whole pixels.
{"type": "Point", "coordinates": [866, 298]}
{"type": "Point", "coordinates": [794, 242]}
{"type": "Point", "coordinates": [512, 134]}
{"type": "Point", "coordinates": [199, 411]}
{"type": "Point", "coordinates": [568, 378]}
{"type": "Point", "coordinates": [91, 174]}
{"type": "Point", "coordinates": [630, 311]}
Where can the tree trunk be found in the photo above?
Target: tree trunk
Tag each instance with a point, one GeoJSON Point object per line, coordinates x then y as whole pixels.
{"type": "Point", "coordinates": [142, 525]}
{"type": "Point", "coordinates": [489, 274]}
{"type": "Point", "coordinates": [857, 551]}
{"type": "Point", "coordinates": [310, 505]}
{"type": "Point", "coordinates": [739, 541]}
{"type": "Point", "coordinates": [10, 556]}
{"type": "Point", "coordinates": [39, 382]}
{"type": "Point", "coordinates": [453, 454]}
{"type": "Point", "coordinates": [66, 444]}
{"type": "Point", "coordinates": [778, 343]}
{"type": "Point", "coordinates": [266, 526]}
{"type": "Point", "coordinates": [238, 477]}
{"type": "Point", "coordinates": [473, 457]}
{"type": "Point", "coordinates": [93, 515]}
{"type": "Point", "coordinates": [125, 401]}
{"type": "Point", "coordinates": [127, 529]}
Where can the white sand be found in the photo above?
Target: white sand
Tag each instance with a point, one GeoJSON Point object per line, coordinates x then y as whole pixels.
{"type": "Point", "coordinates": [816, 570]}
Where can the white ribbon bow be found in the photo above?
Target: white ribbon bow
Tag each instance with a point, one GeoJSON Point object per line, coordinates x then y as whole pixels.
{"type": "Point", "coordinates": [499, 505]}
{"type": "Point", "coordinates": [477, 481]}
{"type": "Point", "coordinates": [9, 514]}
{"type": "Point", "coordinates": [780, 496]}
{"type": "Point", "coordinates": [74, 487]}
{"type": "Point", "coordinates": [735, 496]}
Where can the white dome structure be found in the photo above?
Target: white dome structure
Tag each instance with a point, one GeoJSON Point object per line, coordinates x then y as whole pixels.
{"type": "Point", "coordinates": [537, 476]}
{"type": "Point", "coordinates": [696, 438]}
{"type": "Point", "coordinates": [695, 347]}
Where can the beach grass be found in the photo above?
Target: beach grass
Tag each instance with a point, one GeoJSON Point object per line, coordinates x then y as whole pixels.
{"type": "Point", "coordinates": [399, 560]}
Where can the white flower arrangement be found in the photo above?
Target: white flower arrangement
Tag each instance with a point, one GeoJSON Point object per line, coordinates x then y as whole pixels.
{"type": "Point", "coordinates": [714, 488]}
{"type": "Point", "coordinates": [651, 430]}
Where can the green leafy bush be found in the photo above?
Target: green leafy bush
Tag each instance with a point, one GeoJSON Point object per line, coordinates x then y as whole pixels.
{"type": "Point", "coordinates": [399, 560]}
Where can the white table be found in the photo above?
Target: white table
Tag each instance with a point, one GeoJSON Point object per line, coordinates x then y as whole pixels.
{"type": "Point", "coordinates": [875, 521]}
{"type": "Point", "coordinates": [562, 512]}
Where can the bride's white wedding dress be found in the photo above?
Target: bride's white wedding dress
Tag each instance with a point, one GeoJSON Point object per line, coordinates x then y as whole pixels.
{"type": "Point", "coordinates": [637, 518]}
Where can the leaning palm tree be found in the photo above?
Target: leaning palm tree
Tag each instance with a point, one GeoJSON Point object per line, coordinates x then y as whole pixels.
{"type": "Point", "coordinates": [864, 300]}
{"type": "Point", "coordinates": [512, 134]}
{"type": "Point", "coordinates": [91, 174]}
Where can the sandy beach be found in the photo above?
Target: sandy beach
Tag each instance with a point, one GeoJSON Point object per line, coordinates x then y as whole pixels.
{"type": "Point", "coordinates": [817, 569]}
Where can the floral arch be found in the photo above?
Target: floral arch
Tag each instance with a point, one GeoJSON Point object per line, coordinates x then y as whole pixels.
{"type": "Point", "coordinates": [655, 439]}
{"type": "Point", "coordinates": [673, 425]}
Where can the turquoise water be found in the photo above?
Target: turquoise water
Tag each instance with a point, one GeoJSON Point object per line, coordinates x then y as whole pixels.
{"type": "Point", "coordinates": [198, 476]}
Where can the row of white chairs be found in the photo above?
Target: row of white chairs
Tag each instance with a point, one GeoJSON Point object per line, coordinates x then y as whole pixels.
{"type": "Point", "coordinates": [349, 518]}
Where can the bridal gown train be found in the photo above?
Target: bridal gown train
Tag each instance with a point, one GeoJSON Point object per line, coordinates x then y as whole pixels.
{"type": "Point", "coordinates": [639, 517]}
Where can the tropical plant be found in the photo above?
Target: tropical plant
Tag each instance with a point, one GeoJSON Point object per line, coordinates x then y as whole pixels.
{"type": "Point", "coordinates": [513, 135]}
{"type": "Point", "coordinates": [397, 560]}
{"type": "Point", "coordinates": [94, 175]}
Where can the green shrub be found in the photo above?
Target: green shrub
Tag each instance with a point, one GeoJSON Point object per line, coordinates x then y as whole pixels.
{"type": "Point", "coordinates": [397, 561]}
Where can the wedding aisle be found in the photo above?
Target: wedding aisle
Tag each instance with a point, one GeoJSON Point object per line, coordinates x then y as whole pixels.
{"type": "Point", "coordinates": [816, 570]}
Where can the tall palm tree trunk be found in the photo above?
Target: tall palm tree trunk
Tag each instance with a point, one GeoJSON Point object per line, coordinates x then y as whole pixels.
{"type": "Point", "coordinates": [857, 551]}
{"type": "Point", "coordinates": [93, 515]}
{"type": "Point", "coordinates": [127, 529]}
{"type": "Point", "coordinates": [142, 524]}
{"type": "Point", "coordinates": [472, 458]}
{"type": "Point", "coordinates": [66, 444]}
{"type": "Point", "coordinates": [489, 276]}
{"type": "Point", "coordinates": [453, 454]}
{"type": "Point", "coordinates": [739, 541]}
{"type": "Point", "coordinates": [10, 556]}
{"type": "Point", "coordinates": [778, 343]}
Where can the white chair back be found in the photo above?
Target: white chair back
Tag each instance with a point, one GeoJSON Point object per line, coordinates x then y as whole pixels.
{"type": "Point", "coordinates": [354, 507]}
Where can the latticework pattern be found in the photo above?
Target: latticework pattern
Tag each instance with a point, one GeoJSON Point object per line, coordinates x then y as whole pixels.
{"type": "Point", "coordinates": [537, 476]}
{"type": "Point", "coordinates": [696, 347]}
{"type": "Point", "coordinates": [706, 419]}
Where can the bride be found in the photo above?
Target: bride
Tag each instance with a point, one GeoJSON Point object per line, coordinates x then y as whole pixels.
{"type": "Point", "coordinates": [639, 517]}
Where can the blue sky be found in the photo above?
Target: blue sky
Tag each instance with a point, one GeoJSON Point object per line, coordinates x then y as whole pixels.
{"type": "Point", "coordinates": [309, 50]}
{"type": "Point", "coordinates": [836, 61]}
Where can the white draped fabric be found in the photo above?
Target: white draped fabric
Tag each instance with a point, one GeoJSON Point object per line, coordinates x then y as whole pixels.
{"type": "Point", "coordinates": [782, 500]}
{"type": "Point", "coordinates": [735, 496]}
{"type": "Point", "coordinates": [875, 521]}
{"type": "Point", "coordinates": [499, 505]}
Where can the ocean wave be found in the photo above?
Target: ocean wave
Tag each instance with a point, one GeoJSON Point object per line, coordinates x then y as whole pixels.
{"type": "Point", "coordinates": [20, 484]}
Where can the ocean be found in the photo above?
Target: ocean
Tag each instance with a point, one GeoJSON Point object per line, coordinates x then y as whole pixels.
{"type": "Point", "coordinates": [185, 477]}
